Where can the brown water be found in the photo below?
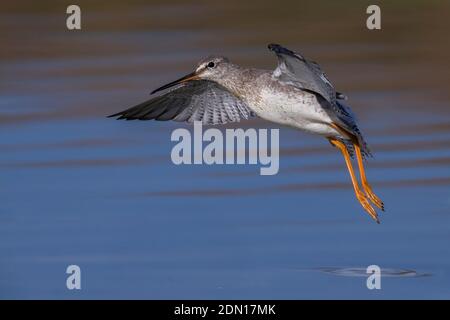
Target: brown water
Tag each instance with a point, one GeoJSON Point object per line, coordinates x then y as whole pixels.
{"type": "Point", "coordinates": [78, 188]}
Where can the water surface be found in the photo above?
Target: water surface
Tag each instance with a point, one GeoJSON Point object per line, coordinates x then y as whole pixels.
{"type": "Point", "coordinates": [78, 188]}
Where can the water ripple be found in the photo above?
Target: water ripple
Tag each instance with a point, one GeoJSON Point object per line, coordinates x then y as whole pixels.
{"type": "Point", "coordinates": [361, 272]}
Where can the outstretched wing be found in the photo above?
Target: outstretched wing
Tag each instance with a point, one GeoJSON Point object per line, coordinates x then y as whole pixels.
{"type": "Point", "coordinates": [295, 69]}
{"type": "Point", "coordinates": [198, 100]}
{"type": "Point", "coordinates": [307, 75]}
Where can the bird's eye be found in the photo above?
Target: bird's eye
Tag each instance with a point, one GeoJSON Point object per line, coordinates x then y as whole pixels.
{"type": "Point", "coordinates": [211, 65]}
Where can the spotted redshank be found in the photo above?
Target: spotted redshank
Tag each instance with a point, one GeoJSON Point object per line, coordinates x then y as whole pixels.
{"type": "Point", "coordinates": [297, 94]}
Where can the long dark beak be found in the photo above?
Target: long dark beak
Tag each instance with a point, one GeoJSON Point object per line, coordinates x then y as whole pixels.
{"type": "Point", "coordinates": [190, 76]}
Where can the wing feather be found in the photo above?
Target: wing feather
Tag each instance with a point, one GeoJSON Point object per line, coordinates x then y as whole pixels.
{"type": "Point", "coordinates": [199, 100]}
{"type": "Point", "coordinates": [293, 69]}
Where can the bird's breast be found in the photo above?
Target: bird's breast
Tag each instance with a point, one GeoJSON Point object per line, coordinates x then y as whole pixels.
{"type": "Point", "coordinates": [293, 107]}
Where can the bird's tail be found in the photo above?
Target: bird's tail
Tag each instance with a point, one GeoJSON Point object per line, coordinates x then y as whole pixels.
{"type": "Point", "coordinates": [353, 137]}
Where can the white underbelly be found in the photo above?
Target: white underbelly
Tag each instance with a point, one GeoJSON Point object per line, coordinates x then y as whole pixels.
{"type": "Point", "coordinates": [301, 111]}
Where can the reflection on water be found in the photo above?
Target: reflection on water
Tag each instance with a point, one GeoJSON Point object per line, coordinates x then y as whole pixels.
{"type": "Point", "coordinates": [78, 188]}
{"type": "Point", "coordinates": [299, 187]}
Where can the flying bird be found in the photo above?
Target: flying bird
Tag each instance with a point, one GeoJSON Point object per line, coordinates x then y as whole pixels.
{"type": "Point", "coordinates": [297, 94]}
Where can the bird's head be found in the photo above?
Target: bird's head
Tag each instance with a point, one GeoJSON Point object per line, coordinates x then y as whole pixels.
{"type": "Point", "coordinates": [211, 68]}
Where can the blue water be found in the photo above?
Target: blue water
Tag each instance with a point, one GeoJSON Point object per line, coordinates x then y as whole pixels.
{"type": "Point", "coordinates": [79, 188]}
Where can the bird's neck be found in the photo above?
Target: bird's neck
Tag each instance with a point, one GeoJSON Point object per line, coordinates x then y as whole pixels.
{"type": "Point", "coordinates": [242, 82]}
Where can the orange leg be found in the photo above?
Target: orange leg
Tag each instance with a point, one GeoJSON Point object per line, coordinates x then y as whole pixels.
{"type": "Point", "coordinates": [372, 197]}
{"type": "Point", "coordinates": [359, 194]}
